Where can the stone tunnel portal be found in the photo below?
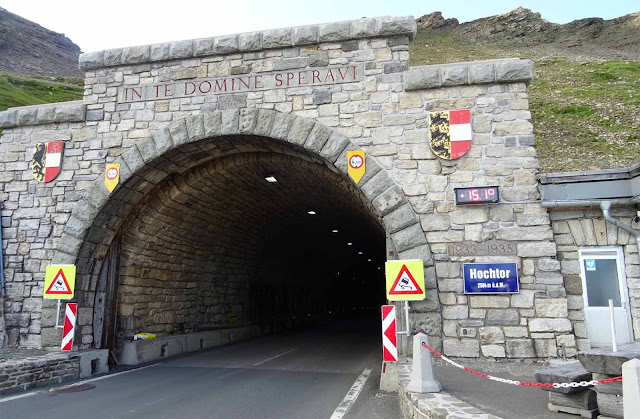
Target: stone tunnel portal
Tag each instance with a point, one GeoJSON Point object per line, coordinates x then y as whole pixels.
{"type": "Point", "coordinates": [223, 245]}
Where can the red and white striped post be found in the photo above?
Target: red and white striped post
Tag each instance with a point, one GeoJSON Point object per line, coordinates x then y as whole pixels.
{"type": "Point", "coordinates": [69, 326]}
{"type": "Point", "coordinates": [389, 372]}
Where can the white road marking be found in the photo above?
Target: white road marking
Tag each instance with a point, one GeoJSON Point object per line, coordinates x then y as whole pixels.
{"type": "Point", "coordinates": [352, 395]}
{"type": "Point", "coordinates": [20, 396]}
{"type": "Point", "coordinates": [274, 357]}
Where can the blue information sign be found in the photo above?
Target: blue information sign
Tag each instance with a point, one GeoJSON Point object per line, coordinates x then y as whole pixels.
{"type": "Point", "coordinates": [491, 278]}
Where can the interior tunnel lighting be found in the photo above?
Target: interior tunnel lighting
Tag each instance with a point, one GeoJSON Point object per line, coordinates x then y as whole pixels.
{"type": "Point", "coordinates": [359, 253]}
{"type": "Point", "coordinates": [368, 260]}
{"type": "Point", "coordinates": [334, 231]}
{"type": "Point", "coordinates": [311, 212]}
{"type": "Point", "coordinates": [349, 244]}
{"type": "Point", "coordinates": [271, 179]}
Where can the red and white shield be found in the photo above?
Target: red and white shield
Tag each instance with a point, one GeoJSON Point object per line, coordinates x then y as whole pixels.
{"type": "Point", "coordinates": [47, 160]}
{"type": "Point", "coordinates": [451, 133]}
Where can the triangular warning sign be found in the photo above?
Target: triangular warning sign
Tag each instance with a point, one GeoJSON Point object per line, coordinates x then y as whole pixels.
{"type": "Point", "coordinates": [405, 284]}
{"type": "Point", "coordinates": [59, 286]}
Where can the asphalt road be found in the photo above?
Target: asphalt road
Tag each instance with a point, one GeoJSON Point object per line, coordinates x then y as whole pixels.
{"type": "Point", "coordinates": [303, 374]}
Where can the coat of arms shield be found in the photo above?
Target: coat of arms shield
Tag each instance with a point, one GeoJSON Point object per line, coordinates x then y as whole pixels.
{"type": "Point", "coordinates": [450, 133]}
{"type": "Point", "coordinates": [47, 160]}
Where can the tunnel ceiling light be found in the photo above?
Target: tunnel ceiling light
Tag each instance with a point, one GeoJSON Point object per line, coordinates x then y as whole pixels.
{"type": "Point", "coordinates": [349, 244]}
{"type": "Point", "coordinates": [368, 260]}
{"type": "Point", "coordinates": [334, 231]}
{"type": "Point", "coordinates": [359, 253]}
{"type": "Point", "coordinates": [311, 212]}
{"type": "Point", "coordinates": [271, 179]}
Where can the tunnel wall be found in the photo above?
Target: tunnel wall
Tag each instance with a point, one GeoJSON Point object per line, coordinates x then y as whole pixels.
{"type": "Point", "coordinates": [384, 109]}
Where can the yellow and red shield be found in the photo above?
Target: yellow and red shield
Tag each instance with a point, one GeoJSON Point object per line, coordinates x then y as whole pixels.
{"type": "Point", "coordinates": [355, 165]}
{"type": "Point", "coordinates": [47, 160]}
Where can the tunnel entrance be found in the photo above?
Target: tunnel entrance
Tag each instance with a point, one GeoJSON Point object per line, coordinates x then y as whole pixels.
{"type": "Point", "coordinates": [269, 237]}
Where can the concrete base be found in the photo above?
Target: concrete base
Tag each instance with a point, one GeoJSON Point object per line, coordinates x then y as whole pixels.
{"type": "Point", "coordinates": [590, 414]}
{"type": "Point", "coordinates": [141, 351]}
{"type": "Point", "coordinates": [422, 377]}
{"type": "Point", "coordinates": [389, 377]}
{"type": "Point", "coordinates": [93, 362]}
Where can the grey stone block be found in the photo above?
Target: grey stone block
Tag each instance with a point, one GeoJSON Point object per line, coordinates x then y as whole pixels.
{"type": "Point", "coordinates": [404, 25]}
{"type": "Point", "coordinates": [300, 130]}
{"type": "Point", "coordinates": [363, 28]}
{"type": "Point", "coordinates": [331, 32]}
{"type": "Point", "coordinates": [389, 200]}
{"type": "Point", "coordinates": [213, 124]}
{"type": "Point", "coordinates": [390, 68]}
{"type": "Point", "coordinates": [147, 149]}
{"type": "Point", "coordinates": [70, 112]}
{"type": "Point", "coordinates": [230, 122]}
{"type": "Point", "coordinates": [376, 185]}
{"type": "Point", "coordinates": [480, 73]}
{"type": "Point", "coordinates": [321, 97]}
{"type": "Point", "coordinates": [520, 348]}
{"type": "Point", "coordinates": [181, 49]}
{"type": "Point", "coordinates": [583, 399]}
{"type": "Point", "coordinates": [91, 60]}
{"type": "Point", "coordinates": [226, 44]}
{"type": "Point", "coordinates": [8, 118]}
{"type": "Point", "coordinates": [113, 57]}
{"type": "Point", "coordinates": [247, 120]}
{"type": "Point", "coordinates": [400, 218]}
{"type": "Point", "coordinates": [318, 138]}
{"type": "Point", "coordinates": [455, 75]}
{"type": "Point", "coordinates": [234, 101]}
{"type": "Point", "coordinates": [160, 52]}
{"type": "Point", "coordinates": [278, 38]}
{"type": "Point", "coordinates": [408, 238]}
{"type": "Point", "coordinates": [95, 115]}
{"type": "Point", "coordinates": [204, 46]}
{"type": "Point", "coordinates": [422, 78]}
{"type": "Point", "coordinates": [304, 35]}
{"type": "Point", "coordinates": [503, 317]}
{"type": "Point", "coordinates": [264, 122]}
{"type": "Point", "coordinates": [162, 139]}
{"type": "Point", "coordinates": [604, 361]}
{"type": "Point", "coordinates": [566, 373]}
{"type": "Point", "coordinates": [251, 41]}
{"type": "Point", "coordinates": [282, 125]}
{"type": "Point", "coordinates": [514, 70]}
{"type": "Point", "coordinates": [27, 116]}
{"type": "Point", "coordinates": [135, 55]}
{"type": "Point", "coordinates": [610, 406]}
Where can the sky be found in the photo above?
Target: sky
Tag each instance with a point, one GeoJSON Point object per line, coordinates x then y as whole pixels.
{"type": "Point", "coordinates": [98, 25]}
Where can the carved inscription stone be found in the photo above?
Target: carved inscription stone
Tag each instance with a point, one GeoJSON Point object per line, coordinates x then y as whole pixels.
{"type": "Point", "coordinates": [242, 83]}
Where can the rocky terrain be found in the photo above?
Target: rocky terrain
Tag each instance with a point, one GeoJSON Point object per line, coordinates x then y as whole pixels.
{"type": "Point", "coordinates": [28, 48]}
{"type": "Point", "coordinates": [591, 38]}
{"type": "Point", "coordinates": [585, 94]}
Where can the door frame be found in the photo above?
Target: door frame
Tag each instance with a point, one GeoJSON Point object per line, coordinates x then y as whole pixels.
{"type": "Point", "coordinates": [607, 252]}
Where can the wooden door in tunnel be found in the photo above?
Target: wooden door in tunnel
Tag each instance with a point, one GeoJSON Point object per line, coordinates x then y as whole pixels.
{"type": "Point", "coordinates": [106, 299]}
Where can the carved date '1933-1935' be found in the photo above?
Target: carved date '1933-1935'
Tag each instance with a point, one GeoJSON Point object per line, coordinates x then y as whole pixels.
{"type": "Point", "coordinates": [489, 248]}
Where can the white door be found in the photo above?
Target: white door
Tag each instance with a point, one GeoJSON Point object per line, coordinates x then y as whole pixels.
{"type": "Point", "coordinates": [603, 278]}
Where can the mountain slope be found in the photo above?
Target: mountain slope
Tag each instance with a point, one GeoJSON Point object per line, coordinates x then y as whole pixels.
{"type": "Point", "coordinates": [585, 94]}
{"type": "Point", "coordinates": [28, 48]}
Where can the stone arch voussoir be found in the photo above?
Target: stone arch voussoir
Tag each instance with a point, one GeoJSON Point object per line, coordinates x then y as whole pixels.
{"type": "Point", "coordinates": [143, 165]}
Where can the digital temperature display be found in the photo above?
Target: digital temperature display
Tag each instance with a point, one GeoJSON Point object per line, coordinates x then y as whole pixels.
{"type": "Point", "coordinates": [480, 195]}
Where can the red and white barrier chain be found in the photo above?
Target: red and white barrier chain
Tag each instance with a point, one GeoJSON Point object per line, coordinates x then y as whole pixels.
{"type": "Point", "coordinates": [524, 383]}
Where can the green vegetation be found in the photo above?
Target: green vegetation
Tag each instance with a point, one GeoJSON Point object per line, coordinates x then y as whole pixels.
{"type": "Point", "coordinates": [23, 90]}
{"type": "Point", "coordinates": [585, 112]}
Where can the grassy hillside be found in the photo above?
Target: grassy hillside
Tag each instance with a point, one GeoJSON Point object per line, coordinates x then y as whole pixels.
{"type": "Point", "coordinates": [21, 90]}
{"type": "Point", "coordinates": [585, 111]}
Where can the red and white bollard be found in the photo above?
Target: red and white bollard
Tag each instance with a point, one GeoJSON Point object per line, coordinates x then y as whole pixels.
{"type": "Point", "coordinates": [389, 372]}
{"type": "Point", "coordinates": [69, 326]}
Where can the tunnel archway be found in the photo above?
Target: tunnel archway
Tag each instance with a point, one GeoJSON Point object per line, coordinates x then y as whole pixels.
{"type": "Point", "coordinates": [158, 174]}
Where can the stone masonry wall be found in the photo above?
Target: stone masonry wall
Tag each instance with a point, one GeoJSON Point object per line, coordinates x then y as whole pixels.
{"type": "Point", "coordinates": [29, 372]}
{"type": "Point", "coordinates": [578, 228]}
{"type": "Point", "coordinates": [534, 321]}
{"type": "Point", "coordinates": [386, 114]}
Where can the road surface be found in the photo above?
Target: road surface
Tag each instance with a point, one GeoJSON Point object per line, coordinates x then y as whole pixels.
{"type": "Point", "coordinates": [304, 374]}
